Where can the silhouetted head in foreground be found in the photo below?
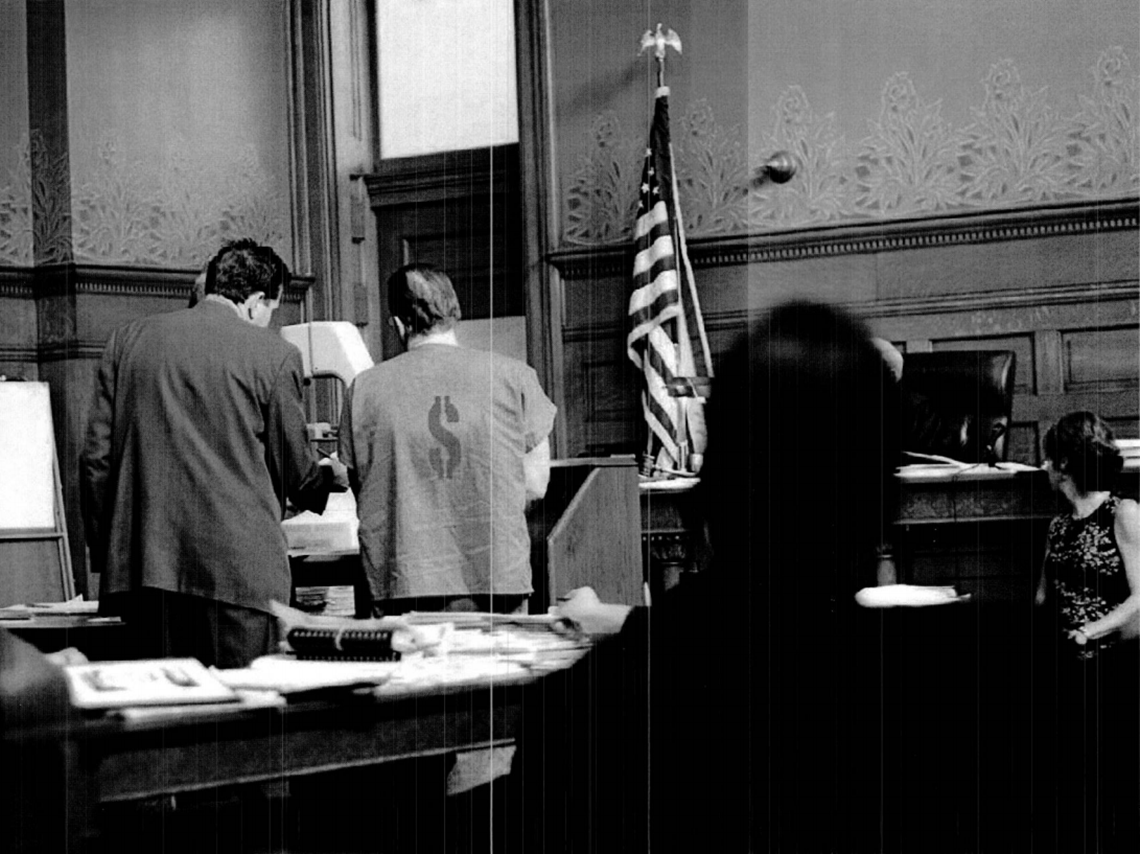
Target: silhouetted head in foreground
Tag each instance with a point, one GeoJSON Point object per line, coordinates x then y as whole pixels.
{"type": "Point", "coordinates": [799, 485]}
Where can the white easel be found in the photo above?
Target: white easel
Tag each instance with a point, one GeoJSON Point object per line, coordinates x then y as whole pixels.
{"type": "Point", "coordinates": [35, 559]}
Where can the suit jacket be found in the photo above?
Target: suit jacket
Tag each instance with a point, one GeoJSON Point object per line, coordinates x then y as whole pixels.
{"type": "Point", "coordinates": [196, 438]}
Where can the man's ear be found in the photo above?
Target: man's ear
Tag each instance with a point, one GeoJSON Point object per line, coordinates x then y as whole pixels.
{"type": "Point", "coordinates": [401, 330]}
{"type": "Point", "coordinates": [250, 302]}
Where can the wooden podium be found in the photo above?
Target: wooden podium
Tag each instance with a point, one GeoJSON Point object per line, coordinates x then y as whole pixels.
{"type": "Point", "coordinates": [586, 531]}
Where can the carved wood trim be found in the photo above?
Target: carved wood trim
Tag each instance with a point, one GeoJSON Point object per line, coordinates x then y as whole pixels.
{"type": "Point", "coordinates": [313, 156]}
{"type": "Point", "coordinates": [990, 300]}
{"type": "Point", "coordinates": [540, 216]}
{"type": "Point", "coordinates": [871, 237]}
{"type": "Point", "coordinates": [10, 353]}
{"type": "Point", "coordinates": [64, 351]}
{"type": "Point", "coordinates": [16, 282]}
{"type": "Point", "coordinates": [60, 279]}
{"type": "Point", "coordinates": [433, 177]}
{"type": "Point", "coordinates": [987, 301]}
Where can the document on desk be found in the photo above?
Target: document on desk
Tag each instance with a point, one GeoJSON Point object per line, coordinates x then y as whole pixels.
{"type": "Point", "coordinates": [955, 470]}
{"type": "Point", "coordinates": [416, 674]}
{"type": "Point", "coordinates": [161, 681]}
{"type": "Point", "coordinates": [670, 484]}
{"type": "Point", "coordinates": [77, 607]}
{"type": "Point", "coordinates": [907, 596]}
{"type": "Point", "coordinates": [286, 675]}
{"type": "Point", "coordinates": [246, 700]}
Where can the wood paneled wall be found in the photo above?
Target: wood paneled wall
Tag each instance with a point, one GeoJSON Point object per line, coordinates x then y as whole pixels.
{"type": "Point", "coordinates": [1057, 284]}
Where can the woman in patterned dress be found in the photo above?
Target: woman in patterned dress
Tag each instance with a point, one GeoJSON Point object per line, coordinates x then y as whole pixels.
{"type": "Point", "coordinates": [1091, 578]}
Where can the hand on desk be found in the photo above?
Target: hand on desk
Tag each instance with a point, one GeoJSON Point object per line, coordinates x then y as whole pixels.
{"type": "Point", "coordinates": [339, 473]}
{"type": "Point", "coordinates": [66, 657]}
{"type": "Point", "coordinates": [584, 612]}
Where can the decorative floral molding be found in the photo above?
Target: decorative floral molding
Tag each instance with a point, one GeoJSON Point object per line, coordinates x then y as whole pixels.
{"type": "Point", "coordinates": [37, 182]}
{"type": "Point", "coordinates": [1017, 151]}
{"type": "Point", "coordinates": [121, 214]}
{"type": "Point", "coordinates": [601, 204]}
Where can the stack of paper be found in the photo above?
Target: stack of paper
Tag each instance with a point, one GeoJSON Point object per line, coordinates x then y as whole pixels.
{"type": "Point", "coordinates": [286, 675]}
{"type": "Point", "coordinates": [907, 596]}
{"type": "Point", "coordinates": [1130, 449]}
{"type": "Point", "coordinates": [332, 531]}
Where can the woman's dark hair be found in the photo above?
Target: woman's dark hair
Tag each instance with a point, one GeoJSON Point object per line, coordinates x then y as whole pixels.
{"type": "Point", "coordinates": [803, 443]}
{"type": "Point", "coordinates": [423, 297]}
{"type": "Point", "coordinates": [1082, 446]}
{"type": "Point", "coordinates": [243, 267]}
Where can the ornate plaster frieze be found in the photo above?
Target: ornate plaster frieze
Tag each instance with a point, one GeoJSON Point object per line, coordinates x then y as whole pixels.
{"type": "Point", "coordinates": [122, 213]}
{"type": "Point", "coordinates": [1018, 150]}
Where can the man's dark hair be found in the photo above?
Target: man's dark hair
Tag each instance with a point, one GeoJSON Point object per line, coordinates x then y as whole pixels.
{"type": "Point", "coordinates": [243, 267]}
{"type": "Point", "coordinates": [423, 298]}
{"type": "Point", "coordinates": [1081, 445]}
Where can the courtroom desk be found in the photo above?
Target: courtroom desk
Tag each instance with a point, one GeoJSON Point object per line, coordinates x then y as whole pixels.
{"type": "Point", "coordinates": [112, 761]}
{"type": "Point", "coordinates": [98, 638]}
{"type": "Point", "coordinates": [981, 528]}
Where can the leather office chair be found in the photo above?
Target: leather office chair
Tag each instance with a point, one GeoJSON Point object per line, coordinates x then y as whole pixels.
{"type": "Point", "coordinates": [957, 403]}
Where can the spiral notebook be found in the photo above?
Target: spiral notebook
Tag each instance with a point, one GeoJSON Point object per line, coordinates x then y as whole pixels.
{"type": "Point", "coordinates": [341, 644]}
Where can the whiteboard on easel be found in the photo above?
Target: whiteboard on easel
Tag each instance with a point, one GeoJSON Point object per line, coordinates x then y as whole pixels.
{"type": "Point", "coordinates": [27, 448]}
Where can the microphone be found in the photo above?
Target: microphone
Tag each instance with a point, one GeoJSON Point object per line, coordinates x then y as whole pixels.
{"type": "Point", "coordinates": [777, 169]}
{"type": "Point", "coordinates": [996, 432]}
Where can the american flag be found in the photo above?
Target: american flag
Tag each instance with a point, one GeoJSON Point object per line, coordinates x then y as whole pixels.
{"type": "Point", "coordinates": [667, 334]}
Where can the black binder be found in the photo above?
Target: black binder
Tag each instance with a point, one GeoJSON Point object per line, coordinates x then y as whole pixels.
{"type": "Point", "coordinates": [318, 644]}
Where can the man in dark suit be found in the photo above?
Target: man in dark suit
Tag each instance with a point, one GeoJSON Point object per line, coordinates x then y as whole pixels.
{"type": "Point", "coordinates": [196, 438]}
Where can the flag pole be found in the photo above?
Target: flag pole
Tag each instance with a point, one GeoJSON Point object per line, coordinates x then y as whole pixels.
{"type": "Point", "coordinates": [659, 40]}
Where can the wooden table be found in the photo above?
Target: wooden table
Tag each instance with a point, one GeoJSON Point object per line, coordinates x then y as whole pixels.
{"type": "Point", "coordinates": [125, 761]}
{"type": "Point", "coordinates": [106, 760]}
{"type": "Point", "coordinates": [99, 638]}
{"type": "Point", "coordinates": [938, 495]}
{"type": "Point", "coordinates": [981, 528]}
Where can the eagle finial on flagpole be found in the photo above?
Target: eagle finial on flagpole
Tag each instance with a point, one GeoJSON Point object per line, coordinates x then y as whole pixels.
{"type": "Point", "coordinates": [659, 41]}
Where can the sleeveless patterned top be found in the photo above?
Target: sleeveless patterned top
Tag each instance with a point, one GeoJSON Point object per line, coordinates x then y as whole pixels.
{"type": "Point", "coordinates": [1087, 570]}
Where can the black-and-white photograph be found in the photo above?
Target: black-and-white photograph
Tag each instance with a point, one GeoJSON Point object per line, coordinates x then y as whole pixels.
{"type": "Point", "coordinates": [570, 426]}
